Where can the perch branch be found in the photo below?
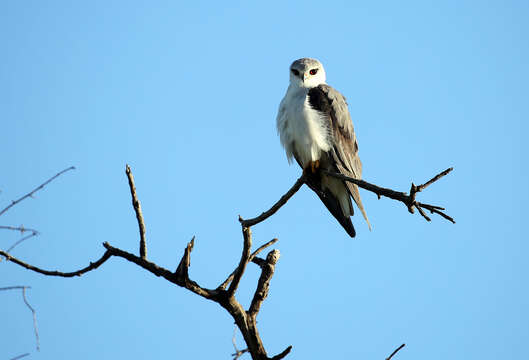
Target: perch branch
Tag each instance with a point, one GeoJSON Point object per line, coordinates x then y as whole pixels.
{"type": "Point", "coordinates": [282, 201]}
{"type": "Point", "coordinates": [408, 200]}
{"type": "Point", "coordinates": [395, 351]}
{"type": "Point", "coordinates": [137, 209]}
{"type": "Point", "coordinates": [30, 194]}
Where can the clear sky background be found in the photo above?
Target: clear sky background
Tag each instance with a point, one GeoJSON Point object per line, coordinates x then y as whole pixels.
{"type": "Point", "coordinates": [187, 94]}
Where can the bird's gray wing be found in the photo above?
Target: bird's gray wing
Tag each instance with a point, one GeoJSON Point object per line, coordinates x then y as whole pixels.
{"type": "Point", "coordinates": [330, 103]}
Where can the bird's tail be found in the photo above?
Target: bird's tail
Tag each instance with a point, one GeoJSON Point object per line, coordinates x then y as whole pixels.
{"type": "Point", "coordinates": [333, 205]}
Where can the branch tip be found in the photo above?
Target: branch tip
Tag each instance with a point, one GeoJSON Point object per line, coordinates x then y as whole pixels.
{"type": "Point", "coordinates": [408, 200]}
{"type": "Point", "coordinates": [137, 210]}
{"type": "Point", "coordinates": [282, 354]}
{"type": "Point", "coordinates": [30, 194]}
{"type": "Point", "coordinates": [395, 351]}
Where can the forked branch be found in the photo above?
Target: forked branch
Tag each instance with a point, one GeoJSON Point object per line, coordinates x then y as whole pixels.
{"type": "Point", "coordinates": [408, 200]}
{"type": "Point", "coordinates": [244, 319]}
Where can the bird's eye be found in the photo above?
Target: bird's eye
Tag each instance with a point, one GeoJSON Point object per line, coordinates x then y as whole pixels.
{"type": "Point", "coordinates": [295, 72]}
{"type": "Point", "coordinates": [313, 71]}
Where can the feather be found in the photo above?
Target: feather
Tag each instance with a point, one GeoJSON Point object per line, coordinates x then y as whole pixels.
{"type": "Point", "coordinates": [344, 152]}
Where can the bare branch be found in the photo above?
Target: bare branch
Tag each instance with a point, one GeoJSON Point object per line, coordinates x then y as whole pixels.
{"type": "Point", "coordinates": [238, 352]}
{"type": "Point", "coordinates": [261, 248]}
{"type": "Point", "coordinates": [14, 287]}
{"type": "Point", "coordinates": [23, 288]}
{"type": "Point", "coordinates": [182, 270]}
{"type": "Point", "coordinates": [92, 266]}
{"type": "Point", "coordinates": [137, 209]}
{"type": "Point", "coordinates": [166, 274]}
{"type": "Point", "coordinates": [34, 318]}
{"type": "Point", "coordinates": [408, 200]}
{"type": "Point", "coordinates": [20, 356]}
{"type": "Point", "coordinates": [395, 351]}
{"type": "Point", "coordinates": [30, 194]}
{"type": "Point", "coordinates": [254, 254]}
{"type": "Point", "coordinates": [245, 320]}
{"type": "Point", "coordinates": [430, 182]}
{"type": "Point", "coordinates": [22, 240]}
{"type": "Point", "coordinates": [247, 235]}
{"type": "Point", "coordinates": [282, 354]}
{"type": "Point", "coordinates": [20, 228]}
{"type": "Point", "coordinates": [421, 211]}
{"type": "Point", "coordinates": [267, 271]}
{"type": "Point", "coordinates": [297, 185]}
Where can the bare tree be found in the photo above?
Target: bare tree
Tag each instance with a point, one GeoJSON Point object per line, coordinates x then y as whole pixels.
{"type": "Point", "coordinates": [225, 293]}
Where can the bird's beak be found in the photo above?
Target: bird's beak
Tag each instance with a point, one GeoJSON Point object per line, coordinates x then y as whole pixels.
{"type": "Point", "coordinates": [303, 77]}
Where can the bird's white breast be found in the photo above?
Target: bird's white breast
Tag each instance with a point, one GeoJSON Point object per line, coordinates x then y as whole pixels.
{"type": "Point", "coordinates": [302, 130]}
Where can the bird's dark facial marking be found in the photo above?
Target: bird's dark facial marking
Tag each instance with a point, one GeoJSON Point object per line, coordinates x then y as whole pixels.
{"type": "Point", "coordinates": [313, 71]}
{"type": "Point", "coordinates": [295, 72]}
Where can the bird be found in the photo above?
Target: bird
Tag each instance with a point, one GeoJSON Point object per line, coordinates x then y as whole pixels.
{"type": "Point", "coordinates": [315, 129]}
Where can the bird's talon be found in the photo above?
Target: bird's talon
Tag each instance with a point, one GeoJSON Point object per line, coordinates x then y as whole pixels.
{"type": "Point", "coordinates": [314, 166]}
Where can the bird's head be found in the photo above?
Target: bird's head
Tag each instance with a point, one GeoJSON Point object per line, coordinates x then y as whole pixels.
{"type": "Point", "coordinates": [307, 73]}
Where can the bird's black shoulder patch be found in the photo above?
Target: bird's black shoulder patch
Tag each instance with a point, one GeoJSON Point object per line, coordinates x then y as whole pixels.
{"type": "Point", "coordinates": [319, 100]}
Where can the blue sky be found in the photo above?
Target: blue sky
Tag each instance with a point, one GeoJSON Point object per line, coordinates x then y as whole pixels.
{"type": "Point", "coordinates": [187, 94]}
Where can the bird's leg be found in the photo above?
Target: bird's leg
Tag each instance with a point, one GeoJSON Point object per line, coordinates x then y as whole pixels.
{"type": "Point", "coordinates": [312, 166]}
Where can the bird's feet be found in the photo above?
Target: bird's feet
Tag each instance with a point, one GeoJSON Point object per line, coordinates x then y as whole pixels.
{"type": "Point", "coordinates": [312, 167]}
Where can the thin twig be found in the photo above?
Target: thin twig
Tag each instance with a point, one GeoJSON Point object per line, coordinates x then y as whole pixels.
{"type": "Point", "coordinates": [19, 356]}
{"type": "Point", "coordinates": [92, 266]}
{"type": "Point", "coordinates": [23, 288]}
{"type": "Point", "coordinates": [254, 254]}
{"type": "Point", "coordinates": [282, 201]}
{"type": "Point", "coordinates": [395, 351]}
{"type": "Point", "coordinates": [30, 194]}
{"type": "Point", "coordinates": [238, 352]}
{"type": "Point", "coordinates": [20, 228]}
{"type": "Point", "coordinates": [14, 287]}
{"type": "Point", "coordinates": [137, 209]}
{"type": "Point", "coordinates": [434, 179]}
{"type": "Point", "coordinates": [22, 240]}
{"type": "Point", "coordinates": [34, 318]}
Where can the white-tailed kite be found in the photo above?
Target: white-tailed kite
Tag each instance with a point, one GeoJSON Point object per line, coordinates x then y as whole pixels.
{"type": "Point", "coordinates": [315, 128]}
